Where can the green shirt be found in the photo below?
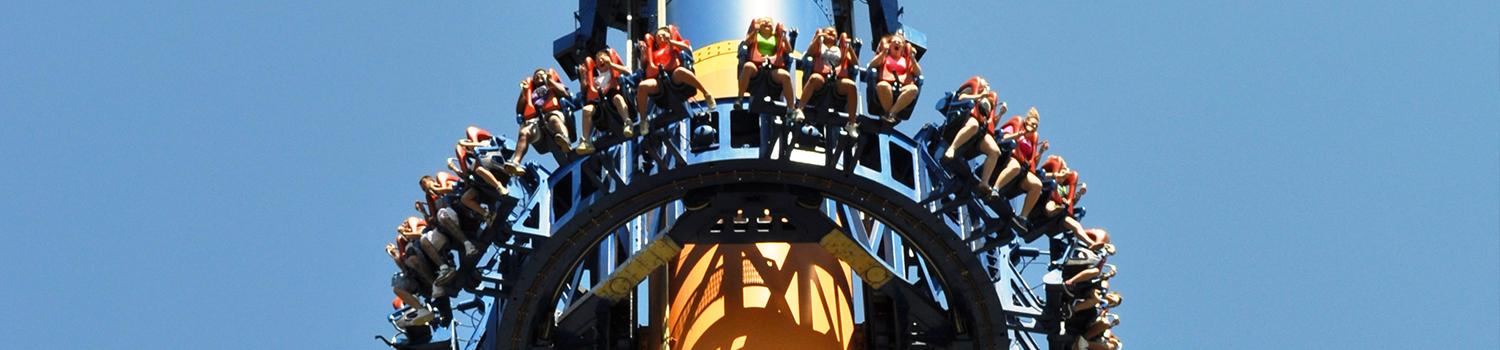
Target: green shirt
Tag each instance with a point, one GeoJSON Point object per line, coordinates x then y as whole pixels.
{"type": "Point", "coordinates": [766, 44]}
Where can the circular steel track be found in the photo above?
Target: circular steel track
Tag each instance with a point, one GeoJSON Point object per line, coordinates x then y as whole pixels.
{"type": "Point", "coordinates": [975, 305]}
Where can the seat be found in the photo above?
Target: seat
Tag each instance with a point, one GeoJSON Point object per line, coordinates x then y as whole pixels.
{"type": "Point", "coordinates": [825, 115]}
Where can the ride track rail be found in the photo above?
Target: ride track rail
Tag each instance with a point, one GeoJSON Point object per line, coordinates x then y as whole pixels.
{"type": "Point", "coordinates": [940, 267]}
{"type": "Point", "coordinates": [582, 206]}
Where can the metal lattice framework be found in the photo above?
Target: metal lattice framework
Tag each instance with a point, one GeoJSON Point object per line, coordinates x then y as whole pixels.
{"type": "Point", "coordinates": [565, 267]}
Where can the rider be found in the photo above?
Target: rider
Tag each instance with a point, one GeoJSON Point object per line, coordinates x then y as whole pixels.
{"type": "Point", "coordinates": [985, 112]}
{"type": "Point", "coordinates": [662, 53]}
{"type": "Point", "coordinates": [1023, 158]}
{"type": "Point", "coordinates": [831, 61]}
{"type": "Point", "coordinates": [541, 98]}
{"type": "Point", "coordinates": [768, 44]}
{"type": "Point", "coordinates": [898, 66]}
{"type": "Point", "coordinates": [438, 207]}
{"type": "Point", "coordinates": [601, 84]}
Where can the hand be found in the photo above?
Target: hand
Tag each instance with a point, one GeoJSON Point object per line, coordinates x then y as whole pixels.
{"type": "Point", "coordinates": [1045, 145]}
{"type": "Point", "coordinates": [525, 83]}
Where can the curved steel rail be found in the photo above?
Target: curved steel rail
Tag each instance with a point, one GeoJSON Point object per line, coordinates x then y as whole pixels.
{"type": "Point", "coordinates": [558, 225]}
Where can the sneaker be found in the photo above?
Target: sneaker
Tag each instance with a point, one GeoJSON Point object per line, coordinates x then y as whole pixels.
{"type": "Point", "coordinates": [514, 169]}
{"type": "Point", "coordinates": [645, 126]}
{"type": "Point", "coordinates": [584, 147]}
{"type": "Point", "coordinates": [629, 128]}
{"type": "Point", "coordinates": [889, 119]}
{"type": "Point", "coordinates": [852, 129]}
{"type": "Point", "coordinates": [417, 316]}
{"type": "Point", "coordinates": [797, 115]}
{"type": "Point", "coordinates": [445, 274]}
{"type": "Point", "coordinates": [737, 101]}
{"type": "Point", "coordinates": [1021, 222]}
{"type": "Point", "coordinates": [562, 142]}
{"type": "Point", "coordinates": [470, 249]}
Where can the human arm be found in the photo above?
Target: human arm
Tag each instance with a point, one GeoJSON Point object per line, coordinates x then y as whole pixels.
{"type": "Point", "coordinates": [557, 87]}
{"type": "Point", "coordinates": [617, 67]}
{"type": "Point", "coordinates": [453, 167]}
{"type": "Point", "coordinates": [521, 100]}
{"type": "Point", "coordinates": [679, 44]}
{"type": "Point", "coordinates": [916, 67]}
{"type": "Point", "coordinates": [421, 208]}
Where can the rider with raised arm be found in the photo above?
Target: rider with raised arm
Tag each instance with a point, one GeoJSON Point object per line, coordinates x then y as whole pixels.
{"type": "Point", "coordinates": [768, 45]}
{"type": "Point", "coordinates": [832, 56]}
{"type": "Point", "coordinates": [412, 277]}
{"type": "Point", "coordinates": [662, 54]}
{"type": "Point", "coordinates": [601, 86]}
{"type": "Point", "coordinates": [1023, 159]}
{"type": "Point", "coordinates": [438, 192]}
{"type": "Point", "coordinates": [540, 102]}
{"type": "Point", "coordinates": [897, 89]}
{"type": "Point", "coordinates": [987, 109]}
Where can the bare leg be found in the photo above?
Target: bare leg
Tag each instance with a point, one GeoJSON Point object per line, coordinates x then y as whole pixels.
{"type": "Point", "coordinates": [406, 297]}
{"type": "Point", "coordinates": [489, 178]}
{"type": "Point", "coordinates": [555, 119]}
{"type": "Point", "coordinates": [684, 76]}
{"type": "Point", "coordinates": [991, 157]}
{"type": "Point", "coordinates": [850, 92]}
{"type": "Point", "coordinates": [1008, 173]}
{"type": "Point", "coordinates": [747, 71]}
{"type": "Point", "coordinates": [1033, 188]}
{"type": "Point", "coordinates": [618, 101]}
{"type": "Point", "coordinates": [431, 245]}
{"type": "Point", "coordinates": [907, 96]}
{"type": "Point", "coordinates": [814, 82]}
{"type": "Point", "coordinates": [472, 203]}
{"type": "Point", "coordinates": [883, 92]}
{"type": "Point", "coordinates": [1099, 327]}
{"type": "Point", "coordinates": [787, 90]}
{"type": "Point", "coordinates": [647, 88]}
{"type": "Point", "coordinates": [523, 141]}
{"type": "Point", "coordinates": [964, 133]}
{"type": "Point", "coordinates": [1084, 275]}
{"type": "Point", "coordinates": [586, 126]}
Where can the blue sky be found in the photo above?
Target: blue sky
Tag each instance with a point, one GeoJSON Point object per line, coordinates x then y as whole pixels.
{"type": "Point", "coordinates": [1278, 174]}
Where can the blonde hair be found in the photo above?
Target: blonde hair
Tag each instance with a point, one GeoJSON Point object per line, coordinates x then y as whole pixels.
{"type": "Point", "coordinates": [1032, 114]}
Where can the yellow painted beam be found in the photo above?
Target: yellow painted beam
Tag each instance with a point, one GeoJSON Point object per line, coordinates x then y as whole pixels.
{"type": "Point", "coordinates": [870, 269]}
{"type": "Point", "coordinates": [622, 282]}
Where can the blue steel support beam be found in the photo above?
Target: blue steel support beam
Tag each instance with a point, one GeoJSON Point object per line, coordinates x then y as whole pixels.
{"type": "Point", "coordinates": [885, 18]}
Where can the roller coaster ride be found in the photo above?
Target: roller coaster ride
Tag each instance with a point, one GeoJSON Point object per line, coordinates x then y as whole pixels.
{"type": "Point", "coordinates": [729, 225]}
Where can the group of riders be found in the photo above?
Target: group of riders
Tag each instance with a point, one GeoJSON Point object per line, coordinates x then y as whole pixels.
{"type": "Point", "coordinates": [437, 250]}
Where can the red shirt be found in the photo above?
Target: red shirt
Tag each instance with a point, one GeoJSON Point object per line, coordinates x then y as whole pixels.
{"type": "Point", "coordinates": [1026, 150]}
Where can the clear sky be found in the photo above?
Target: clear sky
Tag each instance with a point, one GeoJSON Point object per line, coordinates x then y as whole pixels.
{"type": "Point", "coordinates": [1278, 174]}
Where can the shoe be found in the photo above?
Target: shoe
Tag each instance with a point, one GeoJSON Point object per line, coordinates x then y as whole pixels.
{"type": "Point", "coordinates": [418, 316]}
{"type": "Point", "coordinates": [645, 126]}
{"type": "Point", "coordinates": [584, 148]}
{"type": "Point", "coordinates": [737, 101]}
{"type": "Point", "coordinates": [470, 249]}
{"type": "Point", "coordinates": [514, 169]}
{"type": "Point", "coordinates": [889, 119]}
{"type": "Point", "coordinates": [852, 129]}
{"type": "Point", "coordinates": [562, 142]}
{"type": "Point", "coordinates": [797, 115]}
{"type": "Point", "coordinates": [1021, 222]}
{"type": "Point", "coordinates": [487, 217]}
{"type": "Point", "coordinates": [445, 274]}
{"type": "Point", "coordinates": [629, 129]}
